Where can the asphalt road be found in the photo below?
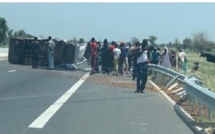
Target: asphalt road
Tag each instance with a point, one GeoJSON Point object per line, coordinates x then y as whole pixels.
{"type": "Point", "coordinates": [38, 101]}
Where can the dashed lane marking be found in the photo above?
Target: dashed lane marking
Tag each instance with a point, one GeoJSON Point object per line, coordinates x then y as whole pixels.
{"type": "Point", "coordinates": [1, 59]}
{"type": "Point", "coordinates": [44, 95]}
{"type": "Point", "coordinates": [12, 71]}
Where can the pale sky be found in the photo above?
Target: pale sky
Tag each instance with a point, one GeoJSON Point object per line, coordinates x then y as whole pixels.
{"type": "Point", "coordinates": [114, 21]}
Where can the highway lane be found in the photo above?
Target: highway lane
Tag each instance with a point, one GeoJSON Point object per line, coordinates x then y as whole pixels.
{"type": "Point", "coordinates": [26, 93]}
{"type": "Point", "coordinates": [94, 108]}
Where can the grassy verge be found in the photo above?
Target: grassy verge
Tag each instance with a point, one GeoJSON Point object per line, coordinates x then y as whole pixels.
{"type": "Point", "coordinates": [206, 70]}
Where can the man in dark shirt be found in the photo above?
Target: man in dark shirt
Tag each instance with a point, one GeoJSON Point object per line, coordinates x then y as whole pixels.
{"type": "Point", "coordinates": [105, 58]}
{"type": "Point", "coordinates": [35, 52]}
{"type": "Point", "coordinates": [123, 58]}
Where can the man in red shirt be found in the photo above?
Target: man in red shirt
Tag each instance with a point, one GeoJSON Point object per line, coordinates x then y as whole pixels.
{"type": "Point", "coordinates": [93, 55]}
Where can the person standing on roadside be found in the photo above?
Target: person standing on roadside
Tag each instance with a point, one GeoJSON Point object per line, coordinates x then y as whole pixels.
{"type": "Point", "coordinates": [111, 55]}
{"type": "Point", "coordinates": [116, 52]}
{"type": "Point", "coordinates": [142, 67]}
{"type": "Point", "coordinates": [165, 59]}
{"type": "Point", "coordinates": [93, 55]}
{"type": "Point", "coordinates": [129, 47]}
{"type": "Point", "coordinates": [181, 56]}
{"type": "Point", "coordinates": [123, 58]}
{"type": "Point", "coordinates": [155, 56]}
{"type": "Point", "coordinates": [35, 52]}
{"type": "Point", "coordinates": [50, 51]}
{"type": "Point", "coordinates": [98, 57]}
{"type": "Point", "coordinates": [135, 53]}
{"type": "Point", "coordinates": [105, 58]}
{"type": "Point", "coordinates": [173, 59]}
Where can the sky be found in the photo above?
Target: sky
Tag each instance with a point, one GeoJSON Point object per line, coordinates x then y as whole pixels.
{"type": "Point", "coordinates": [112, 21]}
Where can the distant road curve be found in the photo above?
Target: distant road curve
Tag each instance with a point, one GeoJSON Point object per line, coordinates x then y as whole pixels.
{"type": "Point", "coordinates": [3, 52]}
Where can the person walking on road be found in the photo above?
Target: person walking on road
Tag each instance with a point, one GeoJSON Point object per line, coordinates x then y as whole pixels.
{"type": "Point", "coordinates": [50, 51]}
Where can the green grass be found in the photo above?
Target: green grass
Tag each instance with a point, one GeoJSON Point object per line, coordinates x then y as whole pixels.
{"type": "Point", "coordinates": [206, 70]}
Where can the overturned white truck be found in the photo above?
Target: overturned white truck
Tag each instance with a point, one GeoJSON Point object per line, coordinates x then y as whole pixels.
{"type": "Point", "coordinates": [20, 51]}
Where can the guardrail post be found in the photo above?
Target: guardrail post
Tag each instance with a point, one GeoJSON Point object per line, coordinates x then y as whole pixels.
{"type": "Point", "coordinates": [158, 80]}
{"type": "Point", "coordinates": [153, 75]}
{"type": "Point", "coordinates": [192, 104]}
{"type": "Point", "coordinates": [164, 79]}
{"type": "Point", "coordinates": [168, 84]}
{"type": "Point", "coordinates": [209, 114]}
{"type": "Point", "coordinates": [200, 108]}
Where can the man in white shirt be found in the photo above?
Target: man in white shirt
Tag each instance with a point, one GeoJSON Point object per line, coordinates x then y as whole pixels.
{"type": "Point", "coordinates": [181, 56]}
{"type": "Point", "coordinates": [142, 67]}
{"type": "Point", "coordinates": [117, 53]}
{"type": "Point", "coordinates": [50, 51]}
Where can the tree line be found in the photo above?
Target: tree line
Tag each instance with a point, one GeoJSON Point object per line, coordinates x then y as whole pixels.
{"type": "Point", "coordinates": [198, 42]}
{"type": "Point", "coordinates": [6, 34]}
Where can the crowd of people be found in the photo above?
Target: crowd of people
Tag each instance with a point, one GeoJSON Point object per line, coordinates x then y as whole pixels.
{"type": "Point", "coordinates": [119, 58]}
{"type": "Point", "coordinates": [172, 60]}
{"type": "Point", "coordinates": [113, 58]}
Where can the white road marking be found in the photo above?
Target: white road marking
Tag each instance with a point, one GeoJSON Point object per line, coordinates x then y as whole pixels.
{"type": "Point", "coordinates": [144, 124]}
{"type": "Point", "coordinates": [2, 59]}
{"type": "Point", "coordinates": [144, 130]}
{"type": "Point", "coordinates": [12, 71]}
{"type": "Point", "coordinates": [46, 116]}
{"type": "Point", "coordinates": [44, 95]}
{"type": "Point", "coordinates": [140, 117]}
{"type": "Point", "coordinates": [125, 81]}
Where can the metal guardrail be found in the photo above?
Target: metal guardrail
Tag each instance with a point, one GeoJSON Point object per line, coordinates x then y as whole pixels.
{"type": "Point", "coordinates": [193, 87]}
{"type": "Point", "coordinates": [167, 71]}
